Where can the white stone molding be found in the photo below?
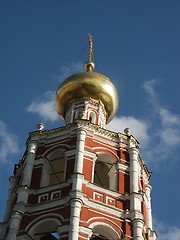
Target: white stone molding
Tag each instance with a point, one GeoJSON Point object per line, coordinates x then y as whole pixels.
{"type": "Point", "coordinates": [85, 230]}
{"type": "Point", "coordinates": [62, 229]}
{"type": "Point", "coordinates": [70, 153]}
{"type": "Point", "coordinates": [106, 210]}
{"type": "Point", "coordinates": [107, 191]}
{"type": "Point", "coordinates": [123, 167]}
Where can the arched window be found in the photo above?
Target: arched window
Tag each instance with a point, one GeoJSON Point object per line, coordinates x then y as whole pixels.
{"type": "Point", "coordinates": [92, 117]}
{"type": "Point", "coordinates": [56, 167]}
{"type": "Point", "coordinates": [45, 229]}
{"type": "Point", "coordinates": [103, 231]}
{"type": "Point", "coordinates": [105, 172]}
{"type": "Point", "coordinates": [101, 177]}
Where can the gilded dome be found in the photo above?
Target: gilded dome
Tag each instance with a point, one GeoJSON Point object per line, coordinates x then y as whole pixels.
{"type": "Point", "coordinates": [88, 85]}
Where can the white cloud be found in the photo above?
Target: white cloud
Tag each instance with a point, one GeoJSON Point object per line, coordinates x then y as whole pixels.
{"type": "Point", "coordinates": [172, 233]}
{"type": "Point", "coordinates": [139, 127]}
{"type": "Point", "coordinates": [44, 106]}
{"type": "Point", "coordinates": [169, 119]}
{"type": "Point", "coordinates": [8, 143]}
{"type": "Point", "coordinates": [149, 87]}
{"type": "Point", "coordinates": [166, 232]}
{"type": "Point", "coordinates": [165, 131]}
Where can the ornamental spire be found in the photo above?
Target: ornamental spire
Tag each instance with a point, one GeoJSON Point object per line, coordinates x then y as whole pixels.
{"type": "Point", "coordinates": [89, 66]}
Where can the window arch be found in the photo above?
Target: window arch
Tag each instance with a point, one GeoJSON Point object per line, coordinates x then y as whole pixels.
{"type": "Point", "coordinates": [45, 229]}
{"type": "Point", "coordinates": [92, 117]}
{"type": "Point", "coordinates": [103, 231]}
{"type": "Point", "coordinates": [105, 171]}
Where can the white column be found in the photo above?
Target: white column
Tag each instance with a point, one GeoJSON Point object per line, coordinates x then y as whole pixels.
{"type": "Point", "coordinates": [78, 168]}
{"type": "Point", "coordinates": [74, 220]}
{"type": "Point", "coordinates": [45, 175]}
{"type": "Point", "coordinates": [135, 203]}
{"type": "Point", "coordinates": [27, 173]}
{"type": "Point", "coordinates": [135, 196]}
{"type": "Point", "coordinates": [11, 196]}
{"type": "Point", "coordinates": [149, 212]}
{"type": "Point", "coordinates": [29, 162]}
{"type": "Point", "coordinates": [77, 185]}
{"type": "Point", "coordinates": [133, 153]}
{"type": "Point", "coordinates": [14, 226]}
{"type": "Point", "coordinates": [137, 229]}
{"type": "Point", "coordinates": [81, 136]}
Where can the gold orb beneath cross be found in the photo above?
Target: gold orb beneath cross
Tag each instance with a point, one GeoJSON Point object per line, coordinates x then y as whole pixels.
{"type": "Point", "coordinates": [89, 85]}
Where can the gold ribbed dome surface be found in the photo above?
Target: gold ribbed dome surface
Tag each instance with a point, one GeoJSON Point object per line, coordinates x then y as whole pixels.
{"type": "Point", "coordinates": [88, 85]}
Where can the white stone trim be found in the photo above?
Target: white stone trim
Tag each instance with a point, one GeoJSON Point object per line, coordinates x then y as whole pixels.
{"type": "Point", "coordinates": [107, 211]}
{"type": "Point", "coordinates": [112, 233]}
{"type": "Point", "coordinates": [98, 197]}
{"type": "Point", "coordinates": [124, 167]}
{"type": "Point", "coordinates": [109, 199]}
{"type": "Point", "coordinates": [43, 196]}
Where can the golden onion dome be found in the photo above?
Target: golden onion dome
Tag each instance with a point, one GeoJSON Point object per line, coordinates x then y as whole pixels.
{"type": "Point", "coordinates": [87, 85]}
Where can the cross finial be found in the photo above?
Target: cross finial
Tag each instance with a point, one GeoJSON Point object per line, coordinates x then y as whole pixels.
{"type": "Point", "coordinates": [90, 65]}
{"type": "Point", "coordinates": [91, 54]}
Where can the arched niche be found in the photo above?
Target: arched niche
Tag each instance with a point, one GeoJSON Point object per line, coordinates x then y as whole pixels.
{"type": "Point", "coordinates": [105, 171]}
{"type": "Point", "coordinates": [78, 114]}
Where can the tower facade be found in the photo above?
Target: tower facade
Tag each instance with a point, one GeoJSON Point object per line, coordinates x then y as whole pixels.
{"type": "Point", "coordinates": [80, 181]}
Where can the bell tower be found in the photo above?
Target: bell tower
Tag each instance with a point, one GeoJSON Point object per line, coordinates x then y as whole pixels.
{"type": "Point", "coordinates": [80, 181]}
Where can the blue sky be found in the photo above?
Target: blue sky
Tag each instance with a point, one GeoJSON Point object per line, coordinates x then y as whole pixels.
{"type": "Point", "coordinates": [136, 44]}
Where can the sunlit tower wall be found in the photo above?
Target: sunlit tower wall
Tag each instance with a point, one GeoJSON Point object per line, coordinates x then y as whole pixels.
{"type": "Point", "coordinates": [80, 181]}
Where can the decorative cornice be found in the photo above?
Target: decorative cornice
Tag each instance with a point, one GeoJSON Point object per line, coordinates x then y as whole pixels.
{"type": "Point", "coordinates": [85, 123]}
{"type": "Point", "coordinates": [48, 132]}
{"type": "Point", "coordinates": [143, 166]}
